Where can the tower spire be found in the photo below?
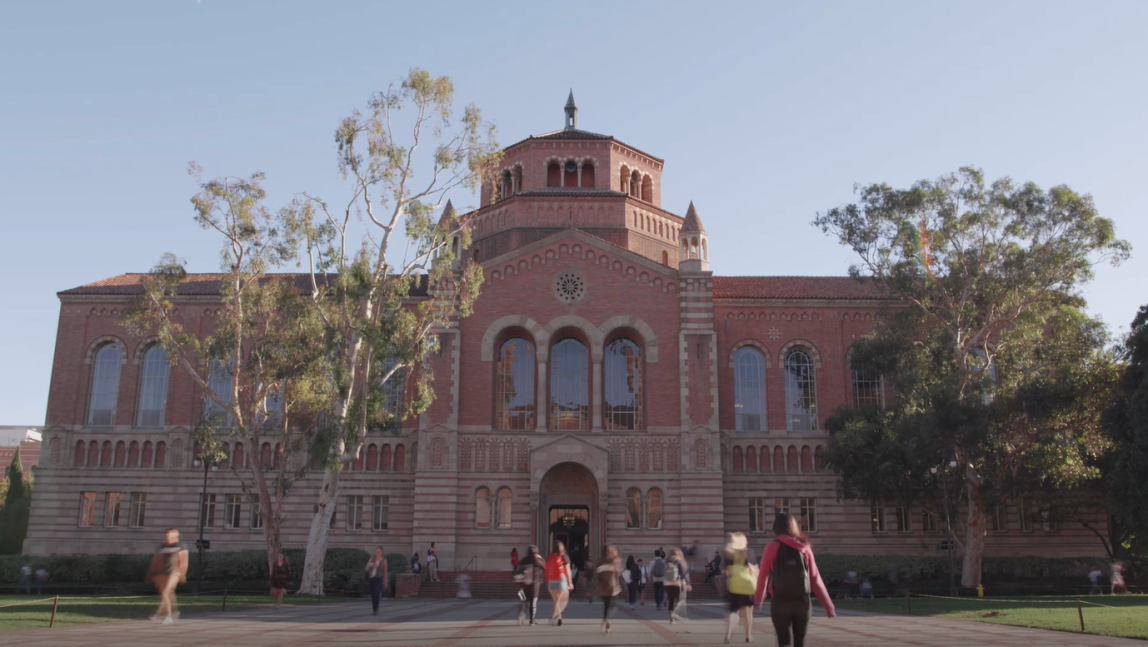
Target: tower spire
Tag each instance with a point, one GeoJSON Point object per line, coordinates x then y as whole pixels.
{"type": "Point", "coordinates": [571, 112]}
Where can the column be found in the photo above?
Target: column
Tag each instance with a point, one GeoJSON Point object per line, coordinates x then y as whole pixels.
{"type": "Point", "coordinates": [579, 174]}
{"type": "Point", "coordinates": [542, 404]}
{"type": "Point", "coordinates": [596, 397]}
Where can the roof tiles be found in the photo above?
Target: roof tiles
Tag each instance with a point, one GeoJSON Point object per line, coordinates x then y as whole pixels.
{"type": "Point", "coordinates": [798, 287]}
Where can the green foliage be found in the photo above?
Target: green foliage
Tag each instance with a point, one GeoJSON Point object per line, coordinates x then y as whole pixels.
{"type": "Point", "coordinates": [17, 501]}
{"type": "Point", "coordinates": [342, 565]}
{"type": "Point", "coordinates": [1126, 424]}
{"type": "Point", "coordinates": [991, 359]}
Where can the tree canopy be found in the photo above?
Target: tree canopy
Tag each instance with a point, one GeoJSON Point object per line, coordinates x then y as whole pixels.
{"type": "Point", "coordinates": [1126, 423]}
{"type": "Point", "coordinates": [988, 355]}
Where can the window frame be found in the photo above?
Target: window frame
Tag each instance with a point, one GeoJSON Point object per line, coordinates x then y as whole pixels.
{"type": "Point", "coordinates": [504, 509]}
{"type": "Point", "coordinates": [661, 508]}
{"type": "Point", "coordinates": [106, 381]}
{"type": "Point", "coordinates": [87, 510]}
{"type": "Point", "coordinates": [757, 515]}
{"type": "Point", "coordinates": [794, 390]}
{"type": "Point", "coordinates": [232, 511]}
{"type": "Point", "coordinates": [137, 513]}
{"type": "Point", "coordinates": [863, 379]}
{"type": "Point", "coordinates": [633, 507]}
{"type": "Point", "coordinates": [143, 393]}
{"type": "Point", "coordinates": [354, 513]}
{"type": "Point", "coordinates": [610, 377]}
{"type": "Point", "coordinates": [113, 502]}
{"type": "Point", "coordinates": [807, 514]}
{"type": "Point", "coordinates": [380, 513]}
{"type": "Point", "coordinates": [585, 415]}
{"type": "Point", "coordinates": [904, 516]}
{"type": "Point", "coordinates": [207, 503]}
{"type": "Point", "coordinates": [877, 521]}
{"type": "Point", "coordinates": [929, 523]}
{"type": "Point", "coordinates": [741, 389]}
{"type": "Point", "coordinates": [483, 508]}
{"type": "Point", "coordinates": [500, 414]}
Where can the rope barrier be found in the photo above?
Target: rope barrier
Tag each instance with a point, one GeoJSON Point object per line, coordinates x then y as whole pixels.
{"type": "Point", "coordinates": [16, 604]}
{"type": "Point", "coordinates": [1028, 601]}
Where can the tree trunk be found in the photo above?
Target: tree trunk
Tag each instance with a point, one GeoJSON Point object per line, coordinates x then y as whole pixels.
{"type": "Point", "coordinates": [312, 581]}
{"type": "Point", "coordinates": [974, 542]}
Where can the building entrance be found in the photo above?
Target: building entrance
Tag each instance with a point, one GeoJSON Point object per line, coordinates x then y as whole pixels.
{"type": "Point", "coordinates": [571, 526]}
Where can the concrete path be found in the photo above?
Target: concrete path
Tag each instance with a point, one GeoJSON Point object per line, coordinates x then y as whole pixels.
{"type": "Point", "coordinates": [444, 623]}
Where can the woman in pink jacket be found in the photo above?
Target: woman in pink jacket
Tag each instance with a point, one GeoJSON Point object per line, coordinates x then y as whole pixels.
{"type": "Point", "coordinates": [789, 574]}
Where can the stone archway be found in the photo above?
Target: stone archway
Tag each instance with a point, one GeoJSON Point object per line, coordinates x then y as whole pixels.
{"type": "Point", "coordinates": [569, 510]}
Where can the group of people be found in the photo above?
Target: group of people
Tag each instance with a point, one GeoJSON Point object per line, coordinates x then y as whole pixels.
{"type": "Point", "coordinates": [30, 578]}
{"type": "Point", "coordinates": [1115, 580]}
{"type": "Point", "coordinates": [788, 575]}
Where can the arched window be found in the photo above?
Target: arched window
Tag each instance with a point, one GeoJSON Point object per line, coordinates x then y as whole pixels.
{"type": "Point", "coordinates": [737, 460]}
{"type": "Point", "coordinates": [553, 175]}
{"type": "Point", "coordinates": [570, 174]}
{"type": "Point", "coordinates": [654, 509]}
{"type": "Point", "coordinates": [385, 458]}
{"type": "Point", "coordinates": [765, 462]}
{"type": "Point", "coordinates": [569, 377]}
{"type": "Point", "coordinates": [624, 181]}
{"type": "Point", "coordinates": [160, 454]}
{"type": "Point", "coordinates": [93, 454]}
{"type": "Point", "coordinates": [121, 453]}
{"type": "Point", "coordinates": [105, 386]}
{"type": "Point", "coordinates": [800, 391]}
{"type": "Point", "coordinates": [514, 385]}
{"type": "Point", "coordinates": [225, 463]}
{"type": "Point", "coordinates": [633, 508]}
{"type": "Point", "coordinates": [400, 458]}
{"type": "Point", "coordinates": [622, 368]}
{"type": "Point", "coordinates": [134, 454]}
{"type": "Point", "coordinates": [665, 258]}
{"type": "Point", "coordinates": [238, 457]}
{"type": "Point", "coordinates": [750, 459]}
{"type": "Point", "coordinates": [146, 455]}
{"type": "Point", "coordinates": [507, 185]}
{"type": "Point", "coordinates": [791, 460]}
{"type": "Point", "coordinates": [587, 175]}
{"type": "Point", "coordinates": [819, 458]}
{"type": "Point", "coordinates": [647, 189]}
{"type": "Point", "coordinates": [81, 454]}
{"type": "Point", "coordinates": [265, 456]}
{"type": "Point", "coordinates": [749, 389]}
{"type": "Point", "coordinates": [867, 391]}
{"type": "Point", "coordinates": [372, 458]}
{"type": "Point", "coordinates": [153, 388]}
{"type": "Point", "coordinates": [393, 388]}
{"type": "Point", "coordinates": [505, 501]}
{"type": "Point", "coordinates": [635, 184]}
{"type": "Point", "coordinates": [806, 459]}
{"type": "Point", "coordinates": [778, 459]}
{"type": "Point", "coordinates": [219, 382]}
{"type": "Point", "coordinates": [481, 507]}
{"type": "Point", "coordinates": [357, 463]}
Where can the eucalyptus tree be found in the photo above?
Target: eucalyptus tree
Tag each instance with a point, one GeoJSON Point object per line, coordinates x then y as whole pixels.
{"type": "Point", "coordinates": [262, 365]}
{"type": "Point", "coordinates": [990, 359]}
{"type": "Point", "coordinates": [384, 265]}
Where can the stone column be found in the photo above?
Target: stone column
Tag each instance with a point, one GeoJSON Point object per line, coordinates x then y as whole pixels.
{"type": "Point", "coordinates": [579, 174]}
{"type": "Point", "coordinates": [542, 404]}
{"type": "Point", "coordinates": [596, 397]}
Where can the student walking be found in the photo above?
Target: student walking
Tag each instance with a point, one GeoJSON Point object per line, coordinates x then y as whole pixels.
{"type": "Point", "coordinates": [588, 569]}
{"type": "Point", "coordinates": [789, 574]}
{"type": "Point", "coordinates": [280, 578]}
{"type": "Point", "coordinates": [632, 577]}
{"type": "Point", "coordinates": [608, 580]}
{"type": "Point", "coordinates": [41, 576]}
{"type": "Point", "coordinates": [513, 559]}
{"type": "Point", "coordinates": [645, 571]}
{"type": "Point", "coordinates": [657, 578]}
{"type": "Point", "coordinates": [677, 582]}
{"type": "Point", "coordinates": [558, 581]}
{"type": "Point", "coordinates": [168, 570]}
{"type": "Point", "coordinates": [432, 563]}
{"type": "Point", "coordinates": [1094, 581]}
{"type": "Point", "coordinates": [376, 574]}
{"type": "Point", "coordinates": [741, 584]}
{"type": "Point", "coordinates": [25, 580]}
{"type": "Point", "coordinates": [529, 574]}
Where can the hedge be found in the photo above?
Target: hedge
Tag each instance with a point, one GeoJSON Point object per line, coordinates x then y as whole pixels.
{"type": "Point", "coordinates": [343, 568]}
{"type": "Point", "coordinates": [1003, 569]}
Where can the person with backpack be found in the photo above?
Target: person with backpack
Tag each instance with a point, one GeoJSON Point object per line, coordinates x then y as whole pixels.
{"type": "Point", "coordinates": [632, 577]}
{"type": "Point", "coordinates": [677, 582]}
{"type": "Point", "coordinates": [168, 570]}
{"type": "Point", "coordinates": [789, 574]}
{"type": "Point", "coordinates": [658, 579]}
{"type": "Point", "coordinates": [741, 583]}
{"type": "Point", "coordinates": [608, 582]}
{"type": "Point", "coordinates": [558, 581]}
{"type": "Point", "coordinates": [529, 573]}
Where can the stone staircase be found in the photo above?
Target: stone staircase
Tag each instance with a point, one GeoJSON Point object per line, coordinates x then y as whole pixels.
{"type": "Point", "coordinates": [501, 585]}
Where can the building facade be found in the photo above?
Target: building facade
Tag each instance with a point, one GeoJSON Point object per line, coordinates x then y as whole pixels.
{"type": "Point", "coordinates": [608, 388]}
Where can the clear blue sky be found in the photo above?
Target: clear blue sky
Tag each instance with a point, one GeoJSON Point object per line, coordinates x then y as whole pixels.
{"type": "Point", "coordinates": [765, 113]}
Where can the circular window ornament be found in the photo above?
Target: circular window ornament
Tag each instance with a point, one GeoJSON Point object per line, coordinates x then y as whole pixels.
{"type": "Point", "coordinates": [569, 287]}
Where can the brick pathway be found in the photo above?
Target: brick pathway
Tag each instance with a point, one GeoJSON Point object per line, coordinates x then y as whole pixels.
{"type": "Point", "coordinates": [445, 623]}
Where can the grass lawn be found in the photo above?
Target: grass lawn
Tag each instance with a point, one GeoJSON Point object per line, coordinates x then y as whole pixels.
{"type": "Point", "coordinates": [1123, 616]}
{"type": "Point", "coordinates": [75, 610]}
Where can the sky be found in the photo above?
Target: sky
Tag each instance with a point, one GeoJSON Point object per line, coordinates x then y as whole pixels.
{"type": "Point", "coordinates": [764, 112]}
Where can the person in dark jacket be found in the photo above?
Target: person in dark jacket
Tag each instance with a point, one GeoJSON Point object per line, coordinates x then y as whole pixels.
{"type": "Point", "coordinates": [632, 579]}
{"type": "Point", "coordinates": [790, 609]}
{"type": "Point", "coordinates": [280, 578]}
{"type": "Point", "coordinates": [376, 574]}
{"type": "Point", "coordinates": [530, 573]}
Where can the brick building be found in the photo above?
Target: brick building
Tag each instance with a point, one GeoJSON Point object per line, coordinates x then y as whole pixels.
{"type": "Point", "coordinates": [608, 388]}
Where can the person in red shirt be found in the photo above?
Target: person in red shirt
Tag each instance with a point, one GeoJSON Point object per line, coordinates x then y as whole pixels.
{"type": "Point", "coordinates": [558, 580]}
{"type": "Point", "coordinates": [789, 574]}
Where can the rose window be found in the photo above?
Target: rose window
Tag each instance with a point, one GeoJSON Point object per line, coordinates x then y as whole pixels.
{"type": "Point", "coordinates": [569, 287]}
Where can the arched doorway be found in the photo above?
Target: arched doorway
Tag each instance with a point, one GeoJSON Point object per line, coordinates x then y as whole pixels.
{"type": "Point", "coordinates": [568, 511]}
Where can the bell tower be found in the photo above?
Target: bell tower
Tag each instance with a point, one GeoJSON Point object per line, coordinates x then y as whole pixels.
{"type": "Point", "coordinates": [694, 255]}
{"type": "Point", "coordinates": [571, 112]}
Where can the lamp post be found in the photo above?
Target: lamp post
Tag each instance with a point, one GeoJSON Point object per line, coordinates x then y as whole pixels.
{"type": "Point", "coordinates": [207, 464]}
{"type": "Point", "coordinates": [948, 523]}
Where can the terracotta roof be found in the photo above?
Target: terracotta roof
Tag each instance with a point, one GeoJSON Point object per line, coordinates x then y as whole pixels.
{"type": "Point", "coordinates": [798, 287]}
{"type": "Point", "coordinates": [194, 285]}
{"type": "Point", "coordinates": [571, 192]}
{"type": "Point", "coordinates": [692, 222]}
{"type": "Point", "coordinates": [575, 133]}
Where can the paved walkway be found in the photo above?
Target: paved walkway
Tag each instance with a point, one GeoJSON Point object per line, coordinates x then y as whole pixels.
{"type": "Point", "coordinates": [444, 623]}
